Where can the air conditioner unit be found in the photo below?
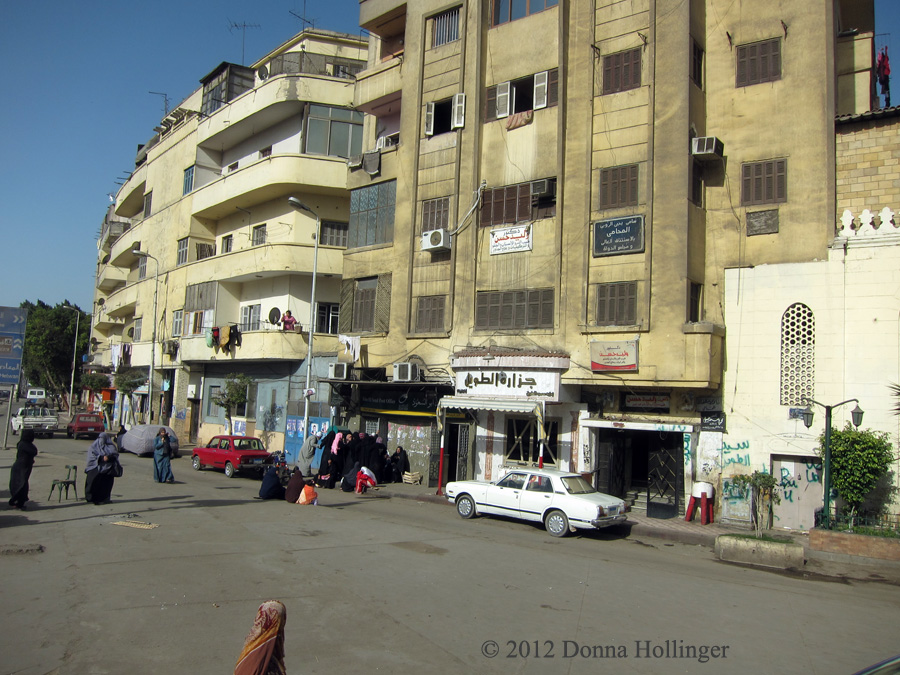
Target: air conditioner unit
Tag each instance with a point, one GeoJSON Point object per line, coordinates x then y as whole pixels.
{"type": "Point", "coordinates": [436, 240]}
{"type": "Point", "coordinates": [406, 372]}
{"type": "Point", "coordinates": [338, 371]}
{"type": "Point", "coordinates": [170, 347]}
{"type": "Point", "coordinates": [707, 148]}
{"type": "Point", "coordinates": [546, 187]}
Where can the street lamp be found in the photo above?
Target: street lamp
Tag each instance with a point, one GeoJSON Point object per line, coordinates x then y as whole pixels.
{"type": "Point", "coordinates": [142, 254]}
{"type": "Point", "coordinates": [856, 414]}
{"type": "Point", "coordinates": [297, 205]}
{"type": "Point", "coordinates": [74, 358]}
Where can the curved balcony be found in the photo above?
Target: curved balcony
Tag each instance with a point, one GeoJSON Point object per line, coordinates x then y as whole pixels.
{"type": "Point", "coordinates": [122, 303]}
{"type": "Point", "coordinates": [130, 200]}
{"type": "Point", "coordinates": [378, 85]}
{"type": "Point", "coordinates": [267, 260]}
{"type": "Point", "coordinates": [267, 179]}
{"type": "Point", "coordinates": [258, 345]}
{"type": "Point", "coordinates": [111, 277]}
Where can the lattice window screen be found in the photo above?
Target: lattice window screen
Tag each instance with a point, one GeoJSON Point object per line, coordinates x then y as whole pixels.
{"type": "Point", "coordinates": [798, 355]}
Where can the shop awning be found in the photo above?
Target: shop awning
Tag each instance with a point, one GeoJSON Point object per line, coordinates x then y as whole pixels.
{"type": "Point", "coordinates": [535, 408]}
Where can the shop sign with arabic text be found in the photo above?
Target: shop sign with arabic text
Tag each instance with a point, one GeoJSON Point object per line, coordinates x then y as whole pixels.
{"type": "Point", "coordinates": [511, 239]}
{"type": "Point", "coordinates": [616, 236]}
{"type": "Point", "coordinates": [622, 355]}
{"type": "Point", "coordinates": [536, 385]}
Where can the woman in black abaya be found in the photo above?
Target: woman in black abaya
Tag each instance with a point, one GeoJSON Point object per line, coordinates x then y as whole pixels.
{"type": "Point", "coordinates": [101, 469]}
{"type": "Point", "coordinates": [20, 472]}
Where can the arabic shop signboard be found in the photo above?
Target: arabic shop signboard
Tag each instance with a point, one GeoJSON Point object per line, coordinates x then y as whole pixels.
{"type": "Point", "coordinates": [12, 343]}
{"type": "Point", "coordinates": [615, 356]}
{"type": "Point", "coordinates": [535, 385]}
{"type": "Point", "coordinates": [511, 239]}
{"type": "Point", "coordinates": [616, 236]}
{"type": "Point", "coordinates": [657, 403]}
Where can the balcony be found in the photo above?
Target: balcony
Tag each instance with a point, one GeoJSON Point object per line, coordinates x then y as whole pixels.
{"type": "Point", "coordinates": [112, 230]}
{"type": "Point", "coordinates": [268, 179]}
{"type": "Point", "coordinates": [111, 277]}
{"type": "Point", "coordinates": [259, 345]}
{"type": "Point", "coordinates": [378, 86]}
{"type": "Point", "coordinates": [130, 200]}
{"type": "Point", "coordinates": [122, 303]}
{"type": "Point", "coordinates": [267, 260]}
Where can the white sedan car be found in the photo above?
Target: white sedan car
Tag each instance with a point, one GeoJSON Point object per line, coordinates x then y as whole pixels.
{"type": "Point", "coordinates": [562, 501]}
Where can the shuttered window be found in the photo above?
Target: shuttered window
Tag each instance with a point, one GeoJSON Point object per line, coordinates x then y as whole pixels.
{"type": "Point", "coordinates": [506, 205]}
{"type": "Point", "coordinates": [334, 233]}
{"type": "Point", "coordinates": [764, 182]}
{"type": "Point", "coordinates": [430, 314]}
{"type": "Point", "coordinates": [617, 304]}
{"type": "Point", "coordinates": [537, 91]}
{"type": "Point", "coordinates": [435, 214]}
{"type": "Point", "coordinates": [514, 309]}
{"type": "Point", "coordinates": [622, 71]}
{"type": "Point", "coordinates": [619, 186]}
{"type": "Point", "coordinates": [365, 305]}
{"type": "Point", "coordinates": [758, 62]}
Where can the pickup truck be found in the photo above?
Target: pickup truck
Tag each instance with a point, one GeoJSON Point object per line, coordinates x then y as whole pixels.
{"type": "Point", "coordinates": [43, 421]}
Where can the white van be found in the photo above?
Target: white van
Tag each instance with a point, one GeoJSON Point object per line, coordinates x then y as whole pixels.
{"type": "Point", "coordinates": [37, 396]}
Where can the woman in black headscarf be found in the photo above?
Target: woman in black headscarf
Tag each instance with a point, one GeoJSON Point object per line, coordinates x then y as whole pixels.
{"type": "Point", "coordinates": [328, 473]}
{"type": "Point", "coordinates": [20, 472]}
{"type": "Point", "coordinates": [400, 460]}
{"type": "Point", "coordinates": [348, 482]}
{"type": "Point", "coordinates": [102, 468]}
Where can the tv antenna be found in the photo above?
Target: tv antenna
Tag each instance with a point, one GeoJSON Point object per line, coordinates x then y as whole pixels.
{"type": "Point", "coordinates": [165, 101]}
{"type": "Point", "coordinates": [308, 22]}
{"type": "Point", "coordinates": [243, 26]}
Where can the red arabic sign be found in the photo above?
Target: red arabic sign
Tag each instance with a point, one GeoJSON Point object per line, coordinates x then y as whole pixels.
{"type": "Point", "coordinates": [615, 356]}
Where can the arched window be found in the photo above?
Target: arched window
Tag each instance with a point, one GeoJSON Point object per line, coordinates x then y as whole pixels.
{"type": "Point", "coordinates": [798, 354]}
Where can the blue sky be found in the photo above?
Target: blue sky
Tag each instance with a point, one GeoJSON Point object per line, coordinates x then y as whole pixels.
{"type": "Point", "coordinates": [81, 105]}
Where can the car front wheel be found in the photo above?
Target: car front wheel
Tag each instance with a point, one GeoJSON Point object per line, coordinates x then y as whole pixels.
{"type": "Point", "coordinates": [229, 469]}
{"type": "Point", "coordinates": [465, 506]}
{"type": "Point", "coordinates": [195, 463]}
{"type": "Point", "coordinates": [557, 523]}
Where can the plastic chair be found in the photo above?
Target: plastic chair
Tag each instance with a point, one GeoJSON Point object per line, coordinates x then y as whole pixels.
{"type": "Point", "coordinates": [60, 483]}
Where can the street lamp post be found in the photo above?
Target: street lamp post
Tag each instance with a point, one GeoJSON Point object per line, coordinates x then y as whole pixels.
{"type": "Point", "coordinates": [142, 254]}
{"type": "Point", "coordinates": [856, 414]}
{"type": "Point", "coordinates": [297, 205]}
{"type": "Point", "coordinates": [74, 359]}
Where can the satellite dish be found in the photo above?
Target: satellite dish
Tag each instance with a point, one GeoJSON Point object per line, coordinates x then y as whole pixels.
{"type": "Point", "coordinates": [274, 315]}
{"type": "Point", "coordinates": [105, 259]}
{"type": "Point", "coordinates": [95, 341]}
{"type": "Point", "coordinates": [101, 302]}
{"type": "Point", "coordinates": [131, 332]}
{"type": "Point", "coordinates": [263, 73]}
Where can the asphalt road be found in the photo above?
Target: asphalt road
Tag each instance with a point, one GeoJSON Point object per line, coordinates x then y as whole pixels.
{"type": "Point", "coordinates": [390, 585]}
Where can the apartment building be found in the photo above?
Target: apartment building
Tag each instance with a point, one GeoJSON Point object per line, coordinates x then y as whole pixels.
{"type": "Point", "coordinates": [549, 198]}
{"type": "Point", "coordinates": [201, 254]}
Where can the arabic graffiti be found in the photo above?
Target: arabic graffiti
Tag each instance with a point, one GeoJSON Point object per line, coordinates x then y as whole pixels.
{"type": "Point", "coordinates": [731, 454]}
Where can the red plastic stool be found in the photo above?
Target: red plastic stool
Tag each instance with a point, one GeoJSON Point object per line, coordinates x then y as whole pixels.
{"type": "Point", "coordinates": [702, 496]}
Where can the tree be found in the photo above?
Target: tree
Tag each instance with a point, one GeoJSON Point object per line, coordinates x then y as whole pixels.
{"type": "Point", "coordinates": [233, 394]}
{"type": "Point", "coordinates": [49, 342]}
{"type": "Point", "coordinates": [859, 460]}
{"type": "Point", "coordinates": [763, 494]}
{"type": "Point", "coordinates": [127, 380]}
{"type": "Point", "coordinates": [94, 381]}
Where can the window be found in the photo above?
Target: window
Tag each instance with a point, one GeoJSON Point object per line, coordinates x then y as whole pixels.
{"type": "Point", "coordinates": [695, 308]}
{"type": "Point", "coordinates": [233, 167]}
{"type": "Point", "coordinates": [758, 62]}
{"type": "Point", "coordinates": [619, 186]}
{"type": "Point", "coordinates": [622, 71]}
{"type": "Point", "coordinates": [333, 233]}
{"type": "Point", "coordinates": [177, 318]}
{"type": "Point", "coordinates": [265, 152]}
{"type": "Point", "coordinates": [199, 302]}
{"type": "Point", "coordinates": [372, 215]}
{"type": "Point", "coordinates": [205, 250]}
{"type": "Point", "coordinates": [442, 117]}
{"type": "Point", "coordinates": [334, 131]}
{"type": "Point", "coordinates": [519, 203]}
{"type": "Point", "coordinates": [365, 305]}
{"type": "Point", "coordinates": [225, 84]}
{"type": "Point", "coordinates": [200, 320]}
{"type": "Point", "coordinates": [435, 214]}
{"type": "Point", "coordinates": [136, 329]}
{"type": "Point", "coordinates": [539, 484]}
{"type": "Point", "coordinates": [227, 243]}
{"type": "Point", "coordinates": [445, 27]}
{"type": "Point", "coordinates": [764, 182]}
{"type": "Point", "coordinates": [142, 268]}
{"type": "Point", "coordinates": [259, 235]}
{"type": "Point", "coordinates": [182, 256]}
{"type": "Point", "coordinates": [514, 309]}
{"type": "Point", "coordinates": [250, 317]}
{"type": "Point", "coordinates": [696, 183]}
{"type": "Point", "coordinates": [510, 10]}
{"type": "Point", "coordinates": [212, 410]}
{"type": "Point", "coordinates": [798, 355]}
{"type": "Point", "coordinates": [522, 445]}
{"type": "Point", "coordinates": [327, 317]}
{"type": "Point", "coordinates": [430, 314]}
{"type": "Point", "coordinates": [248, 409]}
{"type": "Point", "coordinates": [534, 92]}
{"type": "Point", "coordinates": [188, 184]}
{"type": "Point", "coordinates": [696, 64]}
{"type": "Point", "coordinates": [617, 304]}
{"type": "Point", "coordinates": [148, 202]}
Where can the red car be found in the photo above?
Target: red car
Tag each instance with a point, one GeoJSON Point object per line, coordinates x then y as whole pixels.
{"type": "Point", "coordinates": [84, 424]}
{"type": "Point", "coordinates": [232, 453]}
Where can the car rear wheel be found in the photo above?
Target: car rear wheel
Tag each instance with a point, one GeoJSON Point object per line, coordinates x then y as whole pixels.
{"type": "Point", "coordinates": [229, 469]}
{"type": "Point", "coordinates": [195, 463]}
{"type": "Point", "coordinates": [465, 506]}
{"type": "Point", "coordinates": [557, 523]}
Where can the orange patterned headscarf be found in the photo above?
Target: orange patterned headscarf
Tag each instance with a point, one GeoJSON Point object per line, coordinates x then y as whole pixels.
{"type": "Point", "coordinates": [263, 652]}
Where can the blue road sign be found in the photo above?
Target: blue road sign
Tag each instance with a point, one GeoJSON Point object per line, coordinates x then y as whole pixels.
{"type": "Point", "coordinates": [12, 343]}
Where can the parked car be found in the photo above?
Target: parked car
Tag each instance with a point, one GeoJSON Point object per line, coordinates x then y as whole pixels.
{"type": "Point", "coordinates": [562, 501]}
{"type": "Point", "coordinates": [43, 421]}
{"type": "Point", "coordinates": [139, 439]}
{"type": "Point", "coordinates": [233, 454]}
{"type": "Point", "coordinates": [84, 424]}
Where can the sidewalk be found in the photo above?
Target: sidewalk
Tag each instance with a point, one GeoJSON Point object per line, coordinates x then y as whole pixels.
{"type": "Point", "coordinates": [693, 533]}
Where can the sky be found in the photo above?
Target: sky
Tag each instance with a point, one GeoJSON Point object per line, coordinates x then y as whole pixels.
{"type": "Point", "coordinates": [82, 104]}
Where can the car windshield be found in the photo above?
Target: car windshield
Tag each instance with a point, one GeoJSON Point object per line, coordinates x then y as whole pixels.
{"type": "Point", "coordinates": [576, 485]}
{"type": "Point", "coordinates": [248, 444]}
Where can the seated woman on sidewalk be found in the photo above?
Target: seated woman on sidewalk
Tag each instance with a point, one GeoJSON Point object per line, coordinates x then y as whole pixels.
{"type": "Point", "coordinates": [295, 486]}
{"type": "Point", "coordinates": [271, 487]}
{"type": "Point", "coordinates": [348, 482]}
{"type": "Point", "coordinates": [364, 480]}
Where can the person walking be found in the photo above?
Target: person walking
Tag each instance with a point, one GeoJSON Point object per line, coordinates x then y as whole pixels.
{"type": "Point", "coordinates": [102, 469]}
{"type": "Point", "coordinates": [20, 472]}
{"type": "Point", "coordinates": [162, 455]}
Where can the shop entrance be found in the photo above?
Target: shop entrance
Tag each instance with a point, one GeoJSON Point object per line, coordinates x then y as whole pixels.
{"type": "Point", "coordinates": [643, 468]}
